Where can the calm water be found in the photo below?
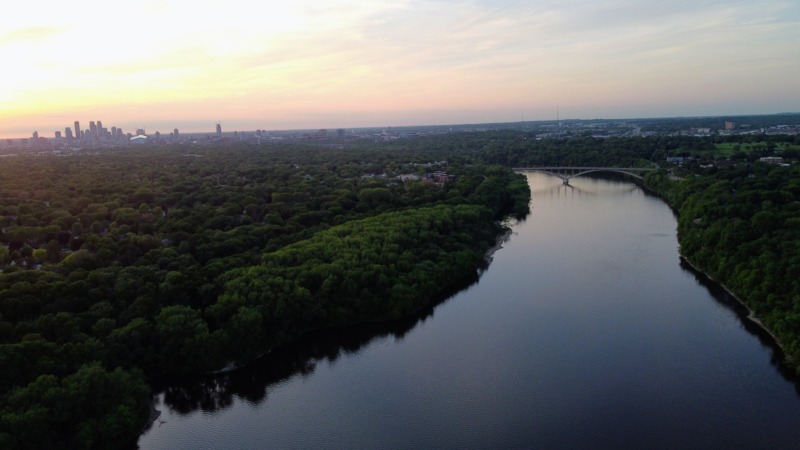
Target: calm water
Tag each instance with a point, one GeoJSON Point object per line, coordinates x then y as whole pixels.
{"type": "Point", "coordinates": [584, 332]}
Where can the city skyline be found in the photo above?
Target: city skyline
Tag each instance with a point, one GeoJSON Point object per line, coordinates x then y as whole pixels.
{"type": "Point", "coordinates": [96, 133]}
{"type": "Point", "coordinates": [161, 65]}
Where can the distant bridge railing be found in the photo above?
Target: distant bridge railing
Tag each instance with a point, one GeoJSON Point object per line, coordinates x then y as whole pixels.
{"type": "Point", "coordinates": [568, 172]}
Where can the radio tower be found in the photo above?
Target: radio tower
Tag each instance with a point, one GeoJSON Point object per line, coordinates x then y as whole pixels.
{"type": "Point", "coordinates": [558, 118]}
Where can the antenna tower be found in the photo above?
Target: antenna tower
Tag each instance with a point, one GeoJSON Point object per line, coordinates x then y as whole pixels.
{"type": "Point", "coordinates": [558, 118]}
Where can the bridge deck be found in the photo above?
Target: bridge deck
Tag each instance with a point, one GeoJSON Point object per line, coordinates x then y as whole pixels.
{"type": "Point", "coordinates": [568, 172]}
{"type": "Point", "coordinates": [629, 169]}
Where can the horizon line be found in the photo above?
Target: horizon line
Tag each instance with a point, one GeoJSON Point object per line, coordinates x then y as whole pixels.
{"type": "Point", "coordinates": [706, 116]}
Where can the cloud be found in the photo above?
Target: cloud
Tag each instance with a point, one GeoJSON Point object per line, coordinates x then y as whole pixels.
{"type": "Point", "coordinates": [31, 34]}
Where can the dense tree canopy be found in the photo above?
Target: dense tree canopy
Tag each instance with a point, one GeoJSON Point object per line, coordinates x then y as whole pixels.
{"type": "Point", "coordinates": [119, 267]}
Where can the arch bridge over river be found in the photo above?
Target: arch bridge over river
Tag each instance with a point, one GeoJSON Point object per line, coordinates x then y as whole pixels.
{"type": "Point", "coordinates": [568, 172]}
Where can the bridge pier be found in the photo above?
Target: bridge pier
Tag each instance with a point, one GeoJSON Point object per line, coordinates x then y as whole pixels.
{"type": "Point", "coordinates": [566, 181]}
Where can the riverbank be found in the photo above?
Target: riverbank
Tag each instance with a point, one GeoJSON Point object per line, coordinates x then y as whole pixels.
{"type": "Point", "coordinates": [502, 239]}
{"type": "Point", "coordinates": [751, 315]}
{"type": "Point", "coordinates": [446, 291]}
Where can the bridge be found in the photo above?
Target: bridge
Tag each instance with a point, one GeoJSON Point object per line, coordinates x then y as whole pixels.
{"type": "Point", "coordinates": [567, 172]}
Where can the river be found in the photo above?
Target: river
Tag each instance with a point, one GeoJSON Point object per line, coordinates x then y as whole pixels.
{"type": "Point", "coordinates": [586, 331]}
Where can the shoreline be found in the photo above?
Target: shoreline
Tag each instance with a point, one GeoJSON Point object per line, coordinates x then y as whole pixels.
{"type": "Point", "coordinates": [501, 239]}
{"type": "Point", "coordinates": [751, 315]}
{"type": "Point", "coordinates": [155, 413]}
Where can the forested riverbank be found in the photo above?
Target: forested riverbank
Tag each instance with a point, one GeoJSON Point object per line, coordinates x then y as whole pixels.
{"type": "Point", "coordinates": [586, 311]}
{"type": "Point", "coordinates": [121, 267]}
{"type": "Point", "coordinates": [742, 227]}
{"type": "Point", "coordinates": [739, 215]}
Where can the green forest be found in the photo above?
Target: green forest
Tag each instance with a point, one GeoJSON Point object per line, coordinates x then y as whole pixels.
{"type": "Point", "coordinates": [120, 267]}
{"type": "Point", "coordinates": [124, 266]}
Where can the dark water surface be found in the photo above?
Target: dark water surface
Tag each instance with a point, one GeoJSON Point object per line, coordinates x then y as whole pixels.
{"type": "Point", "coordinates": [584, 332]}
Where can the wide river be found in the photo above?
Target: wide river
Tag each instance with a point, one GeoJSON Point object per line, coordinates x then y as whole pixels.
{"type": "Point", "coordinates": [586, 331]}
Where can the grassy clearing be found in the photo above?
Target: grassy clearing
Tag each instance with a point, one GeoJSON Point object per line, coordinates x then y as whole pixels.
{"type": "Point", "coordinates": [728, 149]}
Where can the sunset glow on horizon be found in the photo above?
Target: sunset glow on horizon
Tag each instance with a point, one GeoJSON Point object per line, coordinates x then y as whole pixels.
{"type": "Point", "coordinates": [161, 65]}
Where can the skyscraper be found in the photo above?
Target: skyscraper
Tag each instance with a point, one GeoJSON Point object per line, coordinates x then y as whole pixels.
{"type": "Point", "coordinates": [92, 130]}
{"type": "Point", "coordinates": [219, 130]}
{"type": "Point", "coordinates": [77, 130]}
{"type": "Point", "coordinates": [68, 133]}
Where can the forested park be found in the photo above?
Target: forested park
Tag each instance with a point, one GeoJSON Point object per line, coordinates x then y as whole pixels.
{"type": "Point", "coordinates": [121, 267]}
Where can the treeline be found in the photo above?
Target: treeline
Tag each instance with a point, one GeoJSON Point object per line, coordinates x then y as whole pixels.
{"type": "Point", "coordinates": [382, 267]}
{"type": "Point", "coordinates": [522, 149]}
{"type": "Point", "coordinates": [124, 266]}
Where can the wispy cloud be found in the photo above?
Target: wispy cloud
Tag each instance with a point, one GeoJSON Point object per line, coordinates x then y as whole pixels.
{"type": "Point", "coordinates": [31, 34]}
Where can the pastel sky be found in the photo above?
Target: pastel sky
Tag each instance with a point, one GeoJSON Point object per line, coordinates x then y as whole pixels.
{"type": "Point", "coordinates": [287, 64]}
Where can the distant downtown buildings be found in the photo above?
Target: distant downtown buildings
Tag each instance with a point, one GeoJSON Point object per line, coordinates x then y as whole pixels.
{"type": "Point", "coordinates": [96, 134]}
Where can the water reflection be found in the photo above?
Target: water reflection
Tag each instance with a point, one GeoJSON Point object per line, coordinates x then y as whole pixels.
{"type": "Point", "coordinates": [217, 392]}
{"type": "Point", "coordinates": [725, 299]}
{"type": "Point", "coordinates": [577, 189]}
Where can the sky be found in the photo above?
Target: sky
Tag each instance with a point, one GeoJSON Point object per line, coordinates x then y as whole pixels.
{"type": "Point", "coordinates": [277, 65]}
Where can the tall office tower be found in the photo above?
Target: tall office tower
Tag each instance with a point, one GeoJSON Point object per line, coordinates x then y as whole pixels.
{"type": "Point", "coordinates": [58, 135]}
{"type": "Point", "coordinates": [35, 136]}
{"type": "Point", "coordinates": [77, 130]}
{"type": "Point", "coordinates": [176, 133]}
{"type": "Point", "coordinates": [140, 131]}
{"type": "Point", "coordinates": [113, 133]}
{"type": "Point", "coordinates": [68, 133]}
{"type": "Point", "coordinates": [92, 130]}
{"type": "Point", "coordinates": [219, 130]}
{"type": "Point", "coordinates": [99, 124]}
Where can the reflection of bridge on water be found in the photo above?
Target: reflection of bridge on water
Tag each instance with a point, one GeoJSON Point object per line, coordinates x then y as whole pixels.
{"type": "Point", "coordinates": [567, 172]}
